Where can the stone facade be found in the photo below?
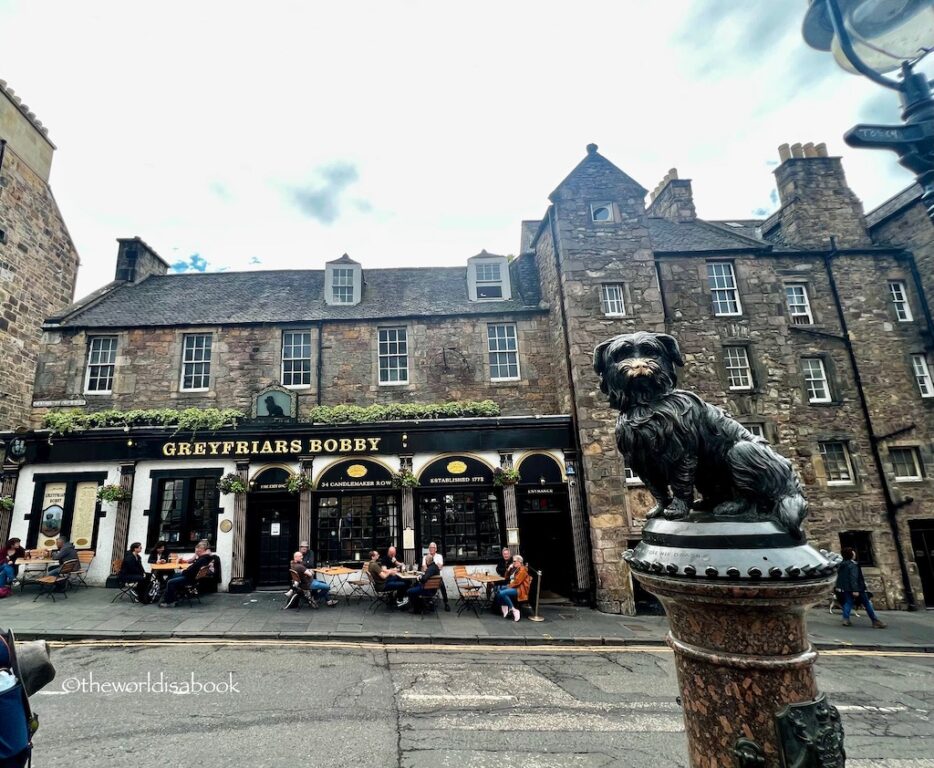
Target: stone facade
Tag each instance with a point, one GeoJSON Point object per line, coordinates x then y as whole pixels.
{"type": "Point", "coordinates": [38, 261]}
{"type": "Point", "coordinates": [597, 235]}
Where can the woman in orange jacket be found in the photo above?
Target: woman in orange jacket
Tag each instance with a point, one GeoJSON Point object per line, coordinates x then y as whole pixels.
{"type": "Point", "coordinates": [517, 588]}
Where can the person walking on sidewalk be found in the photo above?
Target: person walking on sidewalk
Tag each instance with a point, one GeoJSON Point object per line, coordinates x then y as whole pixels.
{"type": "Point", "coordinates": [851, 585]}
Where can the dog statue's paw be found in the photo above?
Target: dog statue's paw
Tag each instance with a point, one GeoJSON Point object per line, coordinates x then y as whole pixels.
{"type": "Point", "coordinates": [677, 510]}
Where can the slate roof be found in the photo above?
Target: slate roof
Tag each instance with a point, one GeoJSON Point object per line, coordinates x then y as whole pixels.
{"type": "Point", "coordinates": [893, 205]}
{"type": "Point", "coordinates": [684, 237]}
{"type": "Point", "coordinates": [280, 296]}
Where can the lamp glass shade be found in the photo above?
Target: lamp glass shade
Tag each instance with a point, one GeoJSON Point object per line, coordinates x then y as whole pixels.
{"type": "Point", "coordinates": [885, 33]}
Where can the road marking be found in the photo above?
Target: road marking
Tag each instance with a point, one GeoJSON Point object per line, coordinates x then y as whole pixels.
{"type": "Point", "coordinates": [439, 648]}
{"type": "Point", "coordinates": [869, 708]}
{"type": "Point", "coordinates": [462, 699]}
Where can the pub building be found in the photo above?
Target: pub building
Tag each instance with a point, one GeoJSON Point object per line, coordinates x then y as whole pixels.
{"type": "Point", "coordinates": [772, 316]}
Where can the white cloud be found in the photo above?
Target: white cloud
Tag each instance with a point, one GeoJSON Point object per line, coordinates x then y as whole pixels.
{"type": "Point", "coordinates": [187, 123]}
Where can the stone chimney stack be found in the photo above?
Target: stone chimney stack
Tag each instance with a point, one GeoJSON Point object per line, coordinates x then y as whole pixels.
{"type": "Point", "coordinates": [673, 199]}
{"type": "Point", "coordinates": [136, 261]}
{"type": "Point", "coordinates": [816, 201]}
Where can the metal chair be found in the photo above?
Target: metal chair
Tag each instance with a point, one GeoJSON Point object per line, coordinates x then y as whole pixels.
{"type": "Point", "coordinates": [427, 601]}
{"type": "Point", "coordinates": [362, 587]}
{"type": "Point", "coordinates": [469, 594]}
{"type": "Point", "coordinates": [125, 588]}
{"type": "Point", "coordinates": [300, 592]}
{"type": "Point", "coordinates": [85, 556]}
{"type": "Point", "coordinates": [49, 585]}
{"type": "Point", "coordinates": [189, 592]}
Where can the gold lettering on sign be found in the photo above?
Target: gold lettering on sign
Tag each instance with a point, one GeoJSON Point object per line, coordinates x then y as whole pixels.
{"type": "Point", "coordinates": [267, 447]}
{"type": "Point", "coordinates": [227, 448]}
{"type": "Point", "coordinates": [214, 448]}
{"type": "Point", "coordinates": [314, 446]}
{"type": "Point", "coordinates": [295, 446]}
{"type": "Point", "coordinates": [282, 446]}
{"type": "Point", "coordinates": [243, 447]}
{"type": "Point", "coordinates": [374, 442]}
{"type": "Point", "coordinates": [356, 471]}
{"type": "Point", "coordinates": [200, 449]}
{"type": "Point", "coordinates": [168, 449]}
{"type": "Point", "coordinates": [359, 444]}
{"type": "Point", "coordinates": [330, 446]}
{"type": "Point", "coordinates": [184, 449]}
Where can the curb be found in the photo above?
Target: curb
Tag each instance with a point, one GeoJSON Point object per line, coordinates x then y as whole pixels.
{"type": "Point", "coordinates": [65, 636]}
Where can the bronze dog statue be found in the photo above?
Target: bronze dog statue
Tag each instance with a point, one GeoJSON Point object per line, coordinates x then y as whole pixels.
{"type": "Point", "coordinates": [675, 441]}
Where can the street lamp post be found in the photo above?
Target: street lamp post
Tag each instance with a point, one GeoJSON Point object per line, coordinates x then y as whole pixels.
{"type": "Point", "coordinates": [870, 38]}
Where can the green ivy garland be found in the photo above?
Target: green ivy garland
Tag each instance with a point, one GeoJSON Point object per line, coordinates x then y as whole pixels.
{"type": "Point", "coordinates": [298, 483]}
{"type": "Point", "coordinates": [6, 503]}
{"type": "Point", "coordinates": [404, 479]}
{"type": "Point", "coordinates": [112, 492]}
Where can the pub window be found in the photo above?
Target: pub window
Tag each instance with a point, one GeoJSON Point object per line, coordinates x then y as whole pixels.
{"type": "Point", "coordinates": [861, 541]}
{"type": "Point", "coordinates": [393, 356]}
{"type": "Point", "coordinates": [196, 362]}
{"type": "Point", "coordinates": [721, 280]}
{"type": "Point", "coordinates": [922, 371]}
{"type": "Point", "coordinates": [66, 506]}
{"type": "Point", "coordinates": [503, 349]}
{"type": "Point", "coordinates": [349, 526]}
{"type": "Point", "coordinates": [342, 285]}
{"type": "Point", "coordinates": [900, 301]}
{"type": "Point", "coordinates": [756, 430]}
{"type": "Point", "coordinates": [815, 380]}
{"type": "Point", "coordinates": [738, 370]}
{"type": "Point", "coordinates": [799, 306]}
{"type": "Point", "coordinates": [611, 300]}
{"type": "Point", "coordinates": [632, 478]}
{"type": "Point", "coordinates": [296, 359]}
{"type": "Point", "coordinates": [837, 462]}
{"type": "Point", "coordinates": [464, 524]}
{"type": "Point", "coordinates": [102, 355]}
{"type": "Point", "coordinates": [186, 511]}
{"type": "Point", "coordinates": [906, 462]}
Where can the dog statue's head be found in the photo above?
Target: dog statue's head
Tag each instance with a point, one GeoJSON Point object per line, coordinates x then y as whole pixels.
{"type": "Point", "coordinates": [637, 367]}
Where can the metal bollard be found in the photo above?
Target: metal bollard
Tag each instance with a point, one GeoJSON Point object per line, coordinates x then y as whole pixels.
{"type": "Point", "coordinates": [538, 589]}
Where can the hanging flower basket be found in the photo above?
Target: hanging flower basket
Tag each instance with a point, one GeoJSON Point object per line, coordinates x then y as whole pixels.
{"type": "Point", "coordinates": [113, 492]}
{"type": "Point", "coordinates": [298, 483]}
{"type": "Point", "coordinates": [6, 503]}
{"type": "Point", "coordinates": [231, 483]}
{"type": "Point", "coordinates": [505, 476]}
{"type": "Point", "coordinates": [404, 479]}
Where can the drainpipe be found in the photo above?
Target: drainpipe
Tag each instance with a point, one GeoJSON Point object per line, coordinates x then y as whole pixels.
{"type": "Point", "coordinates": [922, 297]}
{"type": "Point", "coordinates": [319, 373]}
{"type": "Point", "coordinates": [891, 506]}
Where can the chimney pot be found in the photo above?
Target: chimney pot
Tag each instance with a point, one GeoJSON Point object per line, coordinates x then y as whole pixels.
{"type": "Point", "coordinates": [821, 150]}
{"type": "Point", "coordinates": [797, 150]}
{"type": "Point", "coordinates": [672, 173]}
{"type": "Point", "coordinates": [809, 150]}
{"type": "Point", "coordinates": [784, 152]}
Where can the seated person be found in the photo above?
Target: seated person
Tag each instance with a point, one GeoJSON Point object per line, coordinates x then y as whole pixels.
{"type": "Point", "coordinates": [434, 557]}
{"type": "Point", "coordinates": [66, 551]}
{"type": "Point", "coordinates": [431, 570]}
{"type": "Point", "coordinates": [319, 589]}
{"type": "Point", "coordinates": [188, 576]}
{"type": "Point", "coordinates": [132, 567]}
{"type": "Point", "coordinates": [389, 559]}
{"type": "Point", "coordinates": [516, 589]}
{"type": "Point", "coordinates": [159, 553]}
{"type": "Point", "coordinates": [7, 574]}
{"type": "Point", "coordinates": [387, 579]}
{"type": "Point", "coordinates": [308, 557]}
{"type": "Point", "coordinates": [14, 551]}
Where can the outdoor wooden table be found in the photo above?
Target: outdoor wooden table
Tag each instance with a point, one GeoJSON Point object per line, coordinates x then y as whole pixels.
{"type": "Point", "coordinates": [336, 577]}
{"type": "Point", "coordinates": [167, 566]}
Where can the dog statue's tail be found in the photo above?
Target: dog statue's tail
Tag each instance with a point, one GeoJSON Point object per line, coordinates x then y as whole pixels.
{"type": "Point", "coordinates": [767, 477]}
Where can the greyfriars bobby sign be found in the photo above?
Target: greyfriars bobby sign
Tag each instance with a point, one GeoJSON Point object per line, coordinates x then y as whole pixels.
{"type": "Point", "coordinates": [274, 403]}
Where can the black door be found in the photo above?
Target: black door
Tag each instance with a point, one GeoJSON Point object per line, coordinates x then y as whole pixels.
{"type": "Point", "coordinates": [272, 537]}
{"type": "Point", "coordinates": [546, 539]}
{"type": "Point", "coordinates": [922, 542]}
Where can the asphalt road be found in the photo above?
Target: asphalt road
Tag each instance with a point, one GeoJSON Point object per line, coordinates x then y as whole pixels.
{"type": "Point", "coordinates": [273, 705]}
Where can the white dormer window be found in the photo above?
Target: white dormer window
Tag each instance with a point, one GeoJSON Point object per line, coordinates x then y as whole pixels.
{"type": "Point", "coordinates": [342, 282]}
{"type": "Point", "coordinates": [488, 278]}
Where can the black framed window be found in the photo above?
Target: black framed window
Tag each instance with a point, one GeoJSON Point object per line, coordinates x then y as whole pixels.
{"type": "Point", "coordinates": [184, 508]}
{"type": "Point", "coordinates": [465, 524]}
{"type": "Point", "coordinates": [65, 505]}
{"type": "Point", "coordinates": [861, 541]}
{"type": "Point", "coordinates": [350, 525]}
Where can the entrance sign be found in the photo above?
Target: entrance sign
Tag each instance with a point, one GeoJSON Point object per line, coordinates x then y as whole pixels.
{"type": "Point", "coordinates": [272, 479]}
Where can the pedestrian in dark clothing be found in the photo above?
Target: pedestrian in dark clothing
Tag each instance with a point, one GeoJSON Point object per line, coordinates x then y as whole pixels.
{"type": "Point", "coordinates": [851, 585]}
{"type": "Point", "coordinates": [132, 567]}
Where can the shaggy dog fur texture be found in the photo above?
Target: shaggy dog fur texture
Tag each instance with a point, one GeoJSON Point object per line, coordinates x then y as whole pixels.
{"type": "Point", "coordinates": [676, 442]}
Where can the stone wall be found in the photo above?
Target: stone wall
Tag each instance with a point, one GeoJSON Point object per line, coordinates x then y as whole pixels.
{"type": "Point", "coordinates": [38, 266]}
{"type": "Point", "coordinates": [448, 360]}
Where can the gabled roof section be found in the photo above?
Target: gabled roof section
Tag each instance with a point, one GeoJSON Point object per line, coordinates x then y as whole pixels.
{"type": "Point", "coordinates": [345, 259]}
{"type": "Point", "coordinates": [893, 205]}
{"type": "Point", "coordinates": [593, 157]}
{"type": "Point", "coordinates": [692, 236]}
{"type": "Point", "coordinates": [280, 296]}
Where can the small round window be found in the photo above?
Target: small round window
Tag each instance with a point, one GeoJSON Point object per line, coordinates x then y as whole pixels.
{"type": "Point", "coordinates": [602, 213]}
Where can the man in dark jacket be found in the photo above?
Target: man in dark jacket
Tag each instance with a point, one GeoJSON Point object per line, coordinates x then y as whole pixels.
{"type": "Point", "coordinates": [66, 551]}
{"type": "Point", "coordinates": [132, 567]}
{"type": "Point", "coordinates": [851, 585]}
{"type": "Point", "coordinates": [432, 569]}
{"type": "Point", "coordinates": [189, 575]}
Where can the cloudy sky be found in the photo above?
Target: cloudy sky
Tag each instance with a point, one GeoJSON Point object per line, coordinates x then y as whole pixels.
{"type": "Point", "coordinates": [245, 135]}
